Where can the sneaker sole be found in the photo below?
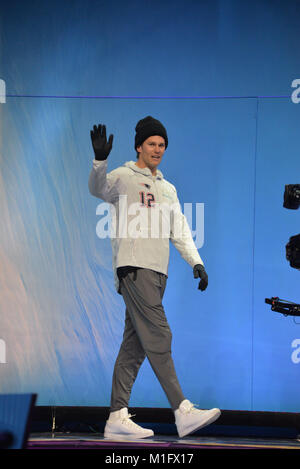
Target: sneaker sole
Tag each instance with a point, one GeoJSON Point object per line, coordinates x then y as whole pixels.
{"type": "Point", "coordinates": [203, 424]}
{"type": "Point", "coordinates": [129, 436]}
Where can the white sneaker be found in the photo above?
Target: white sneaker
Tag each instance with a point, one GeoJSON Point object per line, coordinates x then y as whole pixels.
{"type": "Point", "coordinates": [188, 419]}
{"type": "Point", "coordinates": [119, 425]}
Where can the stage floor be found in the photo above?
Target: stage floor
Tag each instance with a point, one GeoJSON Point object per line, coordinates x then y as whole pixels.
{"type": "Point", "coordinates": [161, 442]}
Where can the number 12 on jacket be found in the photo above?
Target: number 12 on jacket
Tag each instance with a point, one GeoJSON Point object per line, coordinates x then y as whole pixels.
{"type": "Point", "coordinates": [146, 198]}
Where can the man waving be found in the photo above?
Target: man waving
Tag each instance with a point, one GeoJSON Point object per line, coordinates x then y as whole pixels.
{"type": "Point", "coordinates": [140, 263]}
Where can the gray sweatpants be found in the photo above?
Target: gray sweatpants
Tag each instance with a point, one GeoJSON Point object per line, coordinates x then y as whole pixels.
{"type": "Point", "coordinates": [146, 333]}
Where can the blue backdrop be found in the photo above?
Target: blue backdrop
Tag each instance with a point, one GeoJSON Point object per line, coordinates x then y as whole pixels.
{"type": "Point", "coordinates": [218, 74]}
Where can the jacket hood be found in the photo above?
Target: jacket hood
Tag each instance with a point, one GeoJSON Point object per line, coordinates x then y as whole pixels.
{"type": "Point", "coordinates": [145, 171]}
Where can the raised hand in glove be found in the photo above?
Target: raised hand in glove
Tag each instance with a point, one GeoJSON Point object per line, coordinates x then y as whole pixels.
{"type": "Point", "coordinates": [101, 146]}
{"type": "Point", "coordinates": [199, 271]}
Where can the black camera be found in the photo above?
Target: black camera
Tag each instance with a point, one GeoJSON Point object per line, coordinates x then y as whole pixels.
{"type": "Point", "coordinates": [293, 251]}
{"type": "Point", "coordinates": [285, 307]}
{"type": "Point", "coordinates": [291, 198]}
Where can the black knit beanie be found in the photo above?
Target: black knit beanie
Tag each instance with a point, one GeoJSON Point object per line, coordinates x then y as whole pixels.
{"type": "Point", "coordinates": [148, 127]}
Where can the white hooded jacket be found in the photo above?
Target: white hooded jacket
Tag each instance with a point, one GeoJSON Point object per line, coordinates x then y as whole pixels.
{"type": "Point", "coordinates": [147, 216]}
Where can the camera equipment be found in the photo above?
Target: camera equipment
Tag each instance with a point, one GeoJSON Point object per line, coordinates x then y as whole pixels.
{"type": "Point", "coordinates": [283, 306]}
{"type": "Point", "coordinates": [291, 198]}
{"type": "Point", "coordinates": [293, 251]}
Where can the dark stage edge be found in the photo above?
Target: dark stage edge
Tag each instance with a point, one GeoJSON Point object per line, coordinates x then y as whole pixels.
{"type": "Point", "coordinates": [63, 427]}
{"type": "Point", "coordinates": [159, 442]}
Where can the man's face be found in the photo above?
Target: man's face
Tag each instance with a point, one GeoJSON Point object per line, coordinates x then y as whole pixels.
{"type": "Point", "coordinates": [151, 152]}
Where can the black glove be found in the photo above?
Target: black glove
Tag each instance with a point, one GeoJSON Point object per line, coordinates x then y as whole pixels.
{"type": "Point", "coordinates": [199, 271]}
{"type": "Point", "coordinates": [100, 145]}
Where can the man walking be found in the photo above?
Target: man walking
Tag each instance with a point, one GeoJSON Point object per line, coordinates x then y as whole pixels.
{"type": "Point", "coordinates": [140, 262]}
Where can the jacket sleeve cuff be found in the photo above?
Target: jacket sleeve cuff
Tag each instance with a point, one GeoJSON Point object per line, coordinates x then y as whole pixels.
{"type": "Point", "coordinates": [98, 163]}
